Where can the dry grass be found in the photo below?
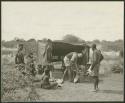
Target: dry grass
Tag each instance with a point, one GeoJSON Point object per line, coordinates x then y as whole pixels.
{"type": "Point", "coordinates": [17, 88]}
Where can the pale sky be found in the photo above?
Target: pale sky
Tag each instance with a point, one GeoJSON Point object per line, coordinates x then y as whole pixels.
{"type": "Point", "coordinates": [87, 20]}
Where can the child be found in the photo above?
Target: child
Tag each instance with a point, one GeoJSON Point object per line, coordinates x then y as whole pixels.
{"type": "Point", "coordinates": [46, 84]}
{"type": "Point", "coordinates": [30, 64]}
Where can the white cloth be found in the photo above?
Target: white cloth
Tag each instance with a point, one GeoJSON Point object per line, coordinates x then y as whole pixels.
{"type": "Point", "coordinates": [59, 81]}
{"type": "Point", "coordinates": [66, 61]}
{"type": "Point", "coordinates": [76, 78]}
{"type": "Point", "coordinates": [74, 57]}
{"type": "Point", "coordinates": [90, 72]}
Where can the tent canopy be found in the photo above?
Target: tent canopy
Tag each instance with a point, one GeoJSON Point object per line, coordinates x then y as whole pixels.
{"type": "Point", "coordinates": [52, 51]}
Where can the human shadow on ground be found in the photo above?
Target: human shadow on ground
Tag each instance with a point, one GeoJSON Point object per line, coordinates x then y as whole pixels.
{"type": "Point", "coordinates": [120, 92]}
{"type": "Point", "coordinates": [90, 81]}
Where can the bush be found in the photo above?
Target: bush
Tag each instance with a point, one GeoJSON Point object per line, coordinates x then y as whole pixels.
{"type": "Point", "coordinates": [121, 53]}
{"type": "Point", "coordinates": [13, 81]}
{"type": "Point", "coordinates": [72, 39]}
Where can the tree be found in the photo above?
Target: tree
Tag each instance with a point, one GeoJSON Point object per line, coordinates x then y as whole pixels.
{"type": "Point", "coordinates": [16, 38]}
{"type": "Point", "coordinates": [121, 53]}
{"type": "Point", "coordinates": [71, 38]}
{"type": "Point", "coordinates": [31, 40]}
{"type": "Point", "coordinates": [96, 41]}
{"type": "Point", "coordinates": [44, 39]}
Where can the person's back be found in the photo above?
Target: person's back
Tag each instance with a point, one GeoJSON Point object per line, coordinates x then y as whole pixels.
{"type": "Point", "coordinates": [97, 56]}
{"type": "Point", "coordinates": [71, 55]}
{"type": "Point", "coordinates": [70, 61]}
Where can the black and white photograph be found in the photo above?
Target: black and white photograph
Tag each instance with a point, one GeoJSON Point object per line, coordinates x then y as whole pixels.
{"type": "Point", "coordinates": [62, 51]}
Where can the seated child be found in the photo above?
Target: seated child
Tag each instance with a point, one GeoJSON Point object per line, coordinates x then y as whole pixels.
{"type": "Point", "coordinates": [46, 84]}
{"type": "Point", "coordinates": [31, 64]}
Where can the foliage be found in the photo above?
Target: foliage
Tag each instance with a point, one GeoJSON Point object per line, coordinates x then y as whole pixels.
{"type": "Point", "coordinates": [31, 40]}
{"type": "Point", "coordinates": [9, 44]}
{"type": "Point", "coordinates": [121, 53]}
{"type": "Point", "coordinates": [72, 39]}
{"type": "Point", "coordinates": [30, 44]}
{"type": "Point", "coordinates": [112, 45]}
{"type": "Point", "coordinates": [12, 82]}
{"type": "Point", "coordinates": [96, 41]}
{"type": "Point", "coordinates": [5, 52]}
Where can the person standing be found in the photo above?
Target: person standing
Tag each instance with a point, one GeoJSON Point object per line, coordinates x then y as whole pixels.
{"type": "Point", "coordinates": [97, 57]}
{"type": "Point", "coordinates": [19, 59]}
{"type": "Point", "coordinates": [47, 55]}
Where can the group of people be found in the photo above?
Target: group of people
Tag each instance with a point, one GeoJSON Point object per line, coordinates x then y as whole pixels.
{"type": "Point", "coordinates": [70, 62]}
{"type": "Point", "coordinates": [25, 66]}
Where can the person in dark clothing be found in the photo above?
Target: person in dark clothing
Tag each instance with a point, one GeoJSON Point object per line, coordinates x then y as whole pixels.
{"type": "Point", "coordinates": [30, 64]}
{"type": "Point", "coordinates": [40, 69]}
{"type": "Point", "coordinates": [46, 84]}
{"type": "Point", "coordinates": [19, 59]}
{"type": "Point", "coordinates": [97, 57]}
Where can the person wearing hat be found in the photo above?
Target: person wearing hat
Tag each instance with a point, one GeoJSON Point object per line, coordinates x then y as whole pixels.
{"type": "Point", "coordinates": [97, 57]}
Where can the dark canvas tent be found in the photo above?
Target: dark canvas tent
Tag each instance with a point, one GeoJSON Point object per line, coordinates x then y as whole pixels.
{"type": "Point", "coordinates": [51, 51]}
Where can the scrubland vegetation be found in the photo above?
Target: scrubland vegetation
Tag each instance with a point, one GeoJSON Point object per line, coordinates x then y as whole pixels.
{"type": "Point", "coordinates": [15, 87]}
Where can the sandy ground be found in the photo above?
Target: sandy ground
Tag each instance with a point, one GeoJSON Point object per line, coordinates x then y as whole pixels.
{"type": "Point", "coordinates": [111, 89]}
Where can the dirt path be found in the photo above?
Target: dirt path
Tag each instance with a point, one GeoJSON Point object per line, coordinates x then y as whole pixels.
{"type": "Point", "coordinates": [111, 89]}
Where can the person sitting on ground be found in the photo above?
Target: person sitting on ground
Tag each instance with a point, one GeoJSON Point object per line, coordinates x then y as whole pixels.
{"type": "Point", "coordinates": [40, 69]}
{"type": "Point", "coordinates": [46, 84]}
{"type": "Point", "coordinates": [30, 64]}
